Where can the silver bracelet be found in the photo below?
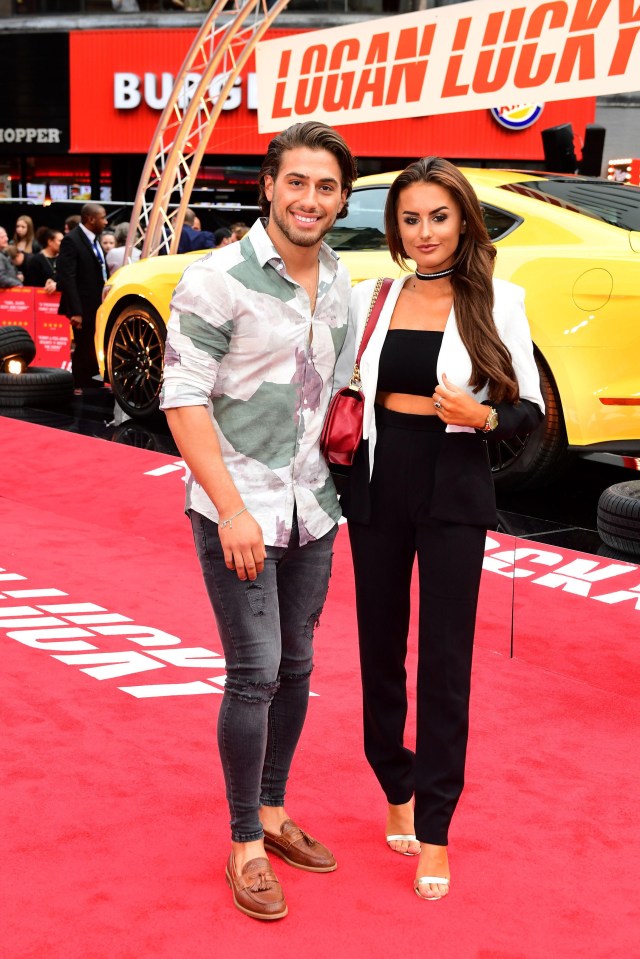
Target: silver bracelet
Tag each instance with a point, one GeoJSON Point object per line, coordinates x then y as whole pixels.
{"type": "Point", "coordinates": [228, 522]}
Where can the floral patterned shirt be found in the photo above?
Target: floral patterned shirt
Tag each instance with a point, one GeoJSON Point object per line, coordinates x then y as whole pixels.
{"type": "Point", "coordinates": [241, 340]}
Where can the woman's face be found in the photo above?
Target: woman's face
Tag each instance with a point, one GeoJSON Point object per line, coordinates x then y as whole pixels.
{"type": "Point", "coordinates": [430, 224]}
{"type": "Point", "coordinates": [107, 241]}
{"type": "Point", "coordinates": [21, 228]}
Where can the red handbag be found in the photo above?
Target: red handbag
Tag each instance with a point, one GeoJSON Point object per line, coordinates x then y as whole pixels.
{"type": "Point", "coordinates": [342, 430]}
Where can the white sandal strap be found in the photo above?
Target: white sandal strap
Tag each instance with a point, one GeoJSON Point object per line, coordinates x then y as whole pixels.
{"type": "Point", "coordinates": [431, 880]}
{"type": "Point", "coordinates": [401, 838]}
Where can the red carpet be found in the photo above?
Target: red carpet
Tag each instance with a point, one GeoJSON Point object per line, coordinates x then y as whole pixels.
{"type": "Point", "coordinates": [114, 819]}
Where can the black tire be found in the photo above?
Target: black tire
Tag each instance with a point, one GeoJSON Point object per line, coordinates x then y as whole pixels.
{"type": "Point", "coordinates": [619, 517]}
{"type": "Point", "coordinates": [535, 459]}
{"type": "Point", "coordinates": [18, 342]}
{"type": "Point", "coordinates": [135, 358]}
{"type": "Point", "coordinates": [39, 385]}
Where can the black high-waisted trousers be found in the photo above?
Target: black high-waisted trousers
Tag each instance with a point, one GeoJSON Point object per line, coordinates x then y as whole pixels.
{"type": "Point", "coordinates": [449, 565]}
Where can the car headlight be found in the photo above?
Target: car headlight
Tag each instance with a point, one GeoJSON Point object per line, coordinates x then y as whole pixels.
{"type": "Point", "coordinates": [106, 289]}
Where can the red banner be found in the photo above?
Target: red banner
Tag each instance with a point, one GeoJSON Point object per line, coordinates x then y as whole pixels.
{"type": "Point", "coordinates": [37, 312]}
{"type": "Point", "coordinates": [53, 332]}
{"type": "Point", "coordinates": [469, 56]}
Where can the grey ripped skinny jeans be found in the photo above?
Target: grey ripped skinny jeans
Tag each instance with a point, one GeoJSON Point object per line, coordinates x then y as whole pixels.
{"type": "Point", "coordinates": [266, 629]}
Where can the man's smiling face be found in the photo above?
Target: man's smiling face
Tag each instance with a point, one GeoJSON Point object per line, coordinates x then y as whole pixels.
{"type": "Point", "coordinates": [306, 197]}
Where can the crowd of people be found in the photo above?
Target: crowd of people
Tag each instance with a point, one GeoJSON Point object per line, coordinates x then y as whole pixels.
{"type": "Point", "coordinates": [77, 261]}
{"type": "Point", "coordinates": [29, 257]}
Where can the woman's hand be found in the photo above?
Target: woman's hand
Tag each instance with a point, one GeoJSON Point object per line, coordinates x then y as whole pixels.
{"type": "Point", "coordinates": [454, 405]}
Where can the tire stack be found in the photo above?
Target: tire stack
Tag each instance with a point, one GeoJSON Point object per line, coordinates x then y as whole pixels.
{"type": "Point", "coordinates": [619, 518]}
{"type": "Point", "coordinates": [36, 385]}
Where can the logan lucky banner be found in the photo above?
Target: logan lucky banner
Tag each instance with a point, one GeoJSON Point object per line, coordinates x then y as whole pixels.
{"type": "Point", "coordinates": [452, 59]}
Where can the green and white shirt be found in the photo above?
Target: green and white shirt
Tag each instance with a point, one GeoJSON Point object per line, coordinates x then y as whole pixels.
{"type": "Point", "coordinates": [241, 340]}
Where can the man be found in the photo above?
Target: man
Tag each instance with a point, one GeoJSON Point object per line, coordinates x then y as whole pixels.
{"type": "Point", "coordinates": [8, 272]}
{"type": "Point", "coordinates": [193, 237]}
{"type": "Point", "coordinates": [253, 338]}
{"type": "Point", "coordinates": [223, 237]}
{"type": "Point", "coordinates": [80, 275]}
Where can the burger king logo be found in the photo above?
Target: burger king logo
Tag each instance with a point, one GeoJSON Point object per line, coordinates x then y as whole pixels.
{"type": "Point", "coordinates": [518, 116]}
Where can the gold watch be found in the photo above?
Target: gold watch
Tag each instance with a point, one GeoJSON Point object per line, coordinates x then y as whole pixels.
{"type": "Point", "coordinates": [492, 421]}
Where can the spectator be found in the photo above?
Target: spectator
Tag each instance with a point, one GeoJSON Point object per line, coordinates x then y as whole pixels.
{"type": "Point", "coordinates": [42, 267]}
{"type": "Point", "coordinates": [238, 230]}
{"type": "Point", "coordinates": [107, 241]}
{"type": "Point", "coordinates": [192, 238]}
{"type": "Point", "coordinates": [82, 272]}
{"type": "Point", "coordinates": [17, 258]}
{"type": "Point", "coordinates": [71, 223]}
{"type": "Point", "coordinates": [222, 237]}
{"type": "Point", "coordinates": [115, 257]}
{"type": "Point", "coordinates": [23, 237]}
{"type": "Point", "coordinates": [8, 272]}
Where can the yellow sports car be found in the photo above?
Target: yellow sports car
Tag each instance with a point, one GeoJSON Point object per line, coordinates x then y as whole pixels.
{"type": "Point", "coordinates": [572, 242]}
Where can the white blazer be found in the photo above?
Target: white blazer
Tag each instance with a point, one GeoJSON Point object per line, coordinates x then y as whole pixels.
{"type": "Point", "coordinates": [453, 359]}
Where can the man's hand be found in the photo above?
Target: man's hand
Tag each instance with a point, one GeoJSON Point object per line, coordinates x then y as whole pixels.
{"type": "Point", "coordinates": [454, 405]}
{"type": "Point", "coordinates": [243, 546]}
{"type": "Point", "coordinates": [76, 322]}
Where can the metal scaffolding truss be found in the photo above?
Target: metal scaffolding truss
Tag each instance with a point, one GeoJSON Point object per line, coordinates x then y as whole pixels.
{"type": "Point", "coordinates": [226, 40]}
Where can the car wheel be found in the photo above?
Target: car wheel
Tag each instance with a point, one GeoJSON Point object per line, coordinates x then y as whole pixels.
{"type": "Point", "coordinates": [37, 385]}
{"type": "Point", "coordinates": [533, 459]}
{"type": "Point", "coordinates": [135, 355]}
{"type": "Point", "coordinates": [619, 517]}
{"type": "Point", "coordinates": [18, 342]}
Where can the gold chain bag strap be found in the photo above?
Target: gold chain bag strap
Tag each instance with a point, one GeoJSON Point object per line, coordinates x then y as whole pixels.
{"type": "Point", "coordinates": [342, 431]}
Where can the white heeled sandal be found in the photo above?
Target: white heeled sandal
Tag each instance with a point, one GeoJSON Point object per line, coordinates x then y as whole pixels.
{"type": "Point", "coordinates": [428, 881]}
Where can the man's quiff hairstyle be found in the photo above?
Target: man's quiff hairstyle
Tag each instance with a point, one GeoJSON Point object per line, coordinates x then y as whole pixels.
{"type": "Point", "coordinates": [314, 136]}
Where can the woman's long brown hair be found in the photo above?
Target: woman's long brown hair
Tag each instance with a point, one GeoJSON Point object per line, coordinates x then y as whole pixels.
{"type": "Point", "coordinates": [491, 362]}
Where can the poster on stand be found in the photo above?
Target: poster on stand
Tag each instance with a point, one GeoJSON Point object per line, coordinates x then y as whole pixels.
{"type": "Point", "coordinates": [52, 332]}
{"type": "Point", "coordinates": [16, 308]}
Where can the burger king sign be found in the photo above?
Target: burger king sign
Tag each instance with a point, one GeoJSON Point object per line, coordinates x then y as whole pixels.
{"type": "Point", "coordinates": [518, 116]}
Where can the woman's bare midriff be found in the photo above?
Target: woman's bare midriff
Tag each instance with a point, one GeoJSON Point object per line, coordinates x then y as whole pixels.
{"type": "Point", "coordinates": [406, 403]}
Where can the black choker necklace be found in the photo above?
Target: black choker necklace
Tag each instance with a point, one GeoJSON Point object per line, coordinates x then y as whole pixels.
{"type": "Point", "coordinates": [435, 276]}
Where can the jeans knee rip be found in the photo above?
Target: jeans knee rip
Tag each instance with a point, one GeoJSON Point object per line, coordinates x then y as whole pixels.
{"type": "Point", "coordinates": [290, 677]}
{"type": "Point", "coordinates": [248, 692]}
{"type": "Point", "coordinates": [312, 623]}
{"type": "Point", "coordinates": [255, 595]}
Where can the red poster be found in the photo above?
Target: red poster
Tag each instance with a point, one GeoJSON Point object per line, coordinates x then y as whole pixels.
{"type": "Point", "coordinates": [16, 308]}
{"type": "Point", "coordinates": [52, 332]}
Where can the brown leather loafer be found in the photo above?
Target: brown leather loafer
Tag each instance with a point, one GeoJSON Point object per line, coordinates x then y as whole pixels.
{"type": "Point", "coordinates": [298, 849]}
{"type": "Point", "coordinates": [256, 891]}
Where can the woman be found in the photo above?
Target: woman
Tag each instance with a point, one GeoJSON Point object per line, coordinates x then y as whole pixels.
{"type": "Point", "coordinates": [41, 269]}
{"type": "Point", "coordinates": [23, 237]}
{"type": "Point", "coordinates": [449, 361]}
{"type": "Point", "coordinates": [107, 242]}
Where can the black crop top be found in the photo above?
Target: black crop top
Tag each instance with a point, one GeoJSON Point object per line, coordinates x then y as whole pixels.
{"type": "Point", "coordinates": [408, 362]}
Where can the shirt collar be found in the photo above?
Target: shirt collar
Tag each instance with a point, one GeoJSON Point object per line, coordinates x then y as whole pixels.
{"type": "Point", "coordinates": [91, 236]}
{"type": "Point", "coordinates": [266, 252]}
